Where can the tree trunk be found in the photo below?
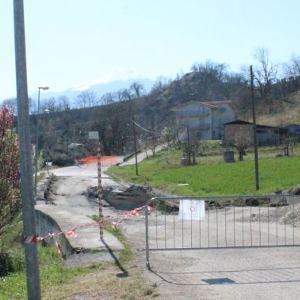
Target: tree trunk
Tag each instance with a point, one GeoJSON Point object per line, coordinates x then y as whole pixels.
{"type": "Point", "coordinates": [241, 156]}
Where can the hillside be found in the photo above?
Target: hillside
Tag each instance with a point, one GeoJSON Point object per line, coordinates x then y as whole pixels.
{"type": "Point", "coordinates": [288, 112]}
{"type": "Point", "coordinates": [207, 82]}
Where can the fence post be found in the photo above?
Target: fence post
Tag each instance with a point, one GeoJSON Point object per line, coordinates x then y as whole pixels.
{"type": "Point", "coordinates": [147, 237]}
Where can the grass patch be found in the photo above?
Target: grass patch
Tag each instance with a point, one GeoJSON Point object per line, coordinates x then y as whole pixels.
{"type": "Point", "coordinates": [52, 274]}
{"type": "Point", "coordinates": [214, 177]}
{"type": "Point", "coordinates": [105, 281]}
{"type": "Point", "coordinates": [126, 255]}
{"type": "Point", "coordinates": [60, 282]}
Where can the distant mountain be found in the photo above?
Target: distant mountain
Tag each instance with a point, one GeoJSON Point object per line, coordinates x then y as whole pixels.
{"type": "Point", "coordinates": [113, 82]}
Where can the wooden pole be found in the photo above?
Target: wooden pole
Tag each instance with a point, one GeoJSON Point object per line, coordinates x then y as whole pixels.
{"type": "Point", "coordinates": [254, 131]}
{"type": "Point", "coordinates": [100, 192]}
{"type": "Point", "coordinates": [135, 147]}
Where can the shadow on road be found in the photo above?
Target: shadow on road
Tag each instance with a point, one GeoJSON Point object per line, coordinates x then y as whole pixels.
{"type": "Point", "coordinates": [124, 272]}
{"type": "Point", "coordinates": [255, 276]}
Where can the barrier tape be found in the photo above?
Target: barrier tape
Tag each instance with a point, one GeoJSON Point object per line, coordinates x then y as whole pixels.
{"type": "Point", "coordinates": [115, 222]}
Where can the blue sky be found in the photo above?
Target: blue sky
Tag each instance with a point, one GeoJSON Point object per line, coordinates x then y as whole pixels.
{"type": "Point", "coordinates": [72, 42]}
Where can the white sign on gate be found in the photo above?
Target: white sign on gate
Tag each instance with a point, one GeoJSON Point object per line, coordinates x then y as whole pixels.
{"type": "Point", "coordinates": [93, 135]}
{"type": "Point", "coordinates": [192, 209]}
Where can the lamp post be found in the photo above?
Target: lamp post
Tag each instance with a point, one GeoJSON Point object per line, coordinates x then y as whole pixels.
{"type": "Point", "coordinates": [44, 88]}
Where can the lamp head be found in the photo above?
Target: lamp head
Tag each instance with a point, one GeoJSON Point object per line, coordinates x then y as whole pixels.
{"type": "Point", "coordinates": [43, 88]}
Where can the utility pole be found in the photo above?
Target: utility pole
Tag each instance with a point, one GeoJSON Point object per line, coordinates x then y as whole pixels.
{"type": "Point", "coordinates": [254, 131]}
{"type": "Point", "coordinates": [29, 230]}
{"type": "Point", "coordinates": [189, 148]}
{"type": "Point", "coordinates": [135, 148]}
{"type": "Point", "coordinates": [100, 191]}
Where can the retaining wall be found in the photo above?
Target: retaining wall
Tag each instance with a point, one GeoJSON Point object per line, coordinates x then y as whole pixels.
{"type": "Point", "coordinates": [45, 224]}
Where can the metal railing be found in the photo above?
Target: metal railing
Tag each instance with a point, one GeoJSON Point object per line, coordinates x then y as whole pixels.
{"type": "Point", "coordinates": [224, 222]}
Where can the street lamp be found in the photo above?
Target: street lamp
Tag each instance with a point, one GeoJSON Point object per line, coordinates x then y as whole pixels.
{"type": "Point", "coordinates": [44, 88]}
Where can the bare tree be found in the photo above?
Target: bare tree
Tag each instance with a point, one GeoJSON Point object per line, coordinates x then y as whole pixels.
{"type": "Point", "coordinates": [265, 73]}
{"type": "Point", "coordinates": [63, 103]}
{"type": "Point", "coordinates": [137, 88]}
{"type": "Point", "coordinates": [126, 95]}
{"type": "Point", "coordinates": [107, 98]}
{"type": "Point", "coordinates": [122, 95]}
{"type": "Point", "coordinates": [241, 143]}
{"type": "Point", "coordinates": [86, 99]}
{"type": "Point", "coordinates": [49, 105]}
{"type": "Point", "coordinates": [159, 85]}
{"type": "Point", "coordinates": [292, 69]}
{"type": "Point", "coordinates": [218, 70]}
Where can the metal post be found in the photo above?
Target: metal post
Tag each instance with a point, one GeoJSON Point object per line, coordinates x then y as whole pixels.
{"type": "Point", "coordinates": [37, 146]}
{"type": "Point", "coordinates": [254, 131]}
{"type": "Point", "coordinates": [147, 238]}
{"type": "Point", "coordinates": [29, 229]}
{"type": "Point", "coordinates": [100, 191]}
{"type": "Point", "coordinates": [37, 140]}
{"type": "Point", "coordinates": [135, 148]}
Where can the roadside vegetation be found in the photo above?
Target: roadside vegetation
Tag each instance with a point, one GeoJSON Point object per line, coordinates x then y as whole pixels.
{"type": "Point", "coordinates": [212, 176]}
{"type": "Point", "coordinates": [98, 281]}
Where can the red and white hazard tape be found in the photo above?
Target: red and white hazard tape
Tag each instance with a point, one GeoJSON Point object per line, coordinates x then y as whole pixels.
{"type": "Point", "coordinates": [115, 221]}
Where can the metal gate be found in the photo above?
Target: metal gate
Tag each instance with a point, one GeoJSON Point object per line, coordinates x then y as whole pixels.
{"type": "Point", "coordinates": [222, 222]}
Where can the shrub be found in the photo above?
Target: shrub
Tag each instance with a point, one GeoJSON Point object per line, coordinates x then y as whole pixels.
{"type": "Point", "coordinates": [6, 264]}
{"type": "Point", "coordinates": [61, 160]}
{"type": "Point", "coordinates": [10, 201]}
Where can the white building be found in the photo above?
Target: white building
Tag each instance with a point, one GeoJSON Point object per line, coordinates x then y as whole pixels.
{"type": "Point", "coordinates": [203, 120]}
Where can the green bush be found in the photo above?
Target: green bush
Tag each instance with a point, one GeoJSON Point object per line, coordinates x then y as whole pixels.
{"type": "Point", "coordinates": [11, 263]}
{"type": "Point", "coordinates": [61, 160]}
{"type": "Point", "coordinates": [6, 264]}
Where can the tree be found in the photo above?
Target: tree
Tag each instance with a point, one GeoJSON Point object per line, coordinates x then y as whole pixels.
{"type": "Point", "coordinates": [63, 103]}
{"type": "Point", "coordinates": [159, 85]}
{"type": "Point", "coordinates": [216, 70]}
{"type": "Point", "coordinates": [190, 150]}
{"type": "Point", "coordinates": [86, 99]}
{"type": "Point", "coordinates": [49, 105]}
{"type": "Point", "coordinates": [292, 69]}
{"type": "Point", "coordinates": [241, 143]}
{"type": "Point", "coordinates": [10, 200]}
{"type": "Point", "coordinates": [137, 88]}
{"type": "Point", "coordinates": [107, 98]}
{"type": "Point", "coordinates": [112, 122]}
{"type": "Point", "coordinates": [265, 73]}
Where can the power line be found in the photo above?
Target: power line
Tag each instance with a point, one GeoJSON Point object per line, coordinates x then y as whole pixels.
{"type": "Point", "coordinates": [145, 129]}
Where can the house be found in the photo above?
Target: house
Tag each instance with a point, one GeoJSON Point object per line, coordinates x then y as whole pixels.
{"type": "Point", "coordinates": [197, 120]}
{"type": "Point", "coordinates": [241, 131]}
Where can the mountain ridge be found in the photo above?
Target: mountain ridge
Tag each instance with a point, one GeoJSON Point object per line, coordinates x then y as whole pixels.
{"type": "Point", "coordinates": [111, 83]}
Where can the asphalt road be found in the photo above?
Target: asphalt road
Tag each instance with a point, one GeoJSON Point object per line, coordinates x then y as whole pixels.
{"type": "Point", "coordinates": [248, 273]}
{"type": "Point", "coordinates": [72, 208]}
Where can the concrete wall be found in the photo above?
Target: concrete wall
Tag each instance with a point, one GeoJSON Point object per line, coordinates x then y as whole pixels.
{"type": "Point", "coordinates": [45, 225]}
